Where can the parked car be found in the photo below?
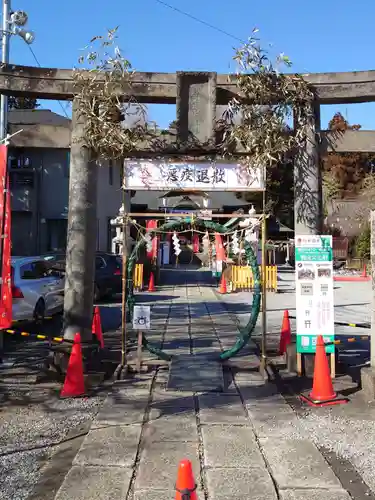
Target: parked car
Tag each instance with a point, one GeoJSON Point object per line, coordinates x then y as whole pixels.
{"type": "Point", "coordinates": [108, 275]}
{"type": "Point", "coordinates": [108, 272]}
{"type": "Point", "coordinates": [37, 289]}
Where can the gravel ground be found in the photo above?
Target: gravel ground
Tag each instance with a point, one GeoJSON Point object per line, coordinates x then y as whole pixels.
{"type": "Point", "coordinates": [349, 436]}
{"type": "Point", "coordinates": [30, 431]}
{"type": "Point", "coordinates": [347, 430]}
{"type": "Point", "coordinates": [33, 420]}
{"type": "Point", "coordinates": [19, 473]}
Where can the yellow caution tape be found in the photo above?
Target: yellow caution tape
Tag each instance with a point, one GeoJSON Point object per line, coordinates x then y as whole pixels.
{"type": "Point", "coordinates": [352, 339]}
{"type": "Point", "coordinates": [24, 321]}
{"type": "Point", "coordinates": [37, 336]}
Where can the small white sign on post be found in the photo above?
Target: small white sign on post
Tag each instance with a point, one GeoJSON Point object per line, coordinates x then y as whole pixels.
{"type": "Point", "coordinates": [204, 214]}
{"type": "Point", "coordinates": [141, 318]}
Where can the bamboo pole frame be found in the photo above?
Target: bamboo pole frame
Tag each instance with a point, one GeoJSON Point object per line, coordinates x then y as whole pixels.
{"type": "Point", "coordinates": [263, 361]}
{"type": "Point", "coordinates": [163, 215]}
{"type": "Point", "coordinates": [123, 295]}
{"type": "Point", "coordinates": [154, 215]}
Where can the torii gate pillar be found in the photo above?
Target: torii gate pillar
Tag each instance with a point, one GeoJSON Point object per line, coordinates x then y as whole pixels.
{"type": "Point", "coordinates": [82, 232]}
{"type": "Point", "coordinates": [308, 209]}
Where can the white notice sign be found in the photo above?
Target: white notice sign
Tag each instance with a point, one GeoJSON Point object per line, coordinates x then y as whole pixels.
{"type": "Point", "coordinates": [314, 292]}
{"type": "Point", "coordinates": [213, 176]}
{"type": "Point", "coordinates": [141, 318]}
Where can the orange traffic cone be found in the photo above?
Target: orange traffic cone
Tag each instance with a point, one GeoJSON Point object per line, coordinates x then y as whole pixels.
{"type": "Point", "coordinates": [151, 283]}
{"type": "Point", "coordinates": [185, 485]}
{"type": "Point", "coordinates": [364, 272]}
{"type": "Point", "coordinates": [97, 327]}
{"type": "Point", "coordinates": [223, 285]}
{"type": "Point", "coordinates": [74, 384]}
{"type": "Point", "coordinates": [322, 393]}
{"type": "Point", "coordinates": [285, 334]}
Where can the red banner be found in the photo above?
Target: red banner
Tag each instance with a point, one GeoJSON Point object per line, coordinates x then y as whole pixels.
{"type": "Point", "coordinates": [150, 225]}
{"type": "Point", "coordinates": [5, 225]}
{"type": "Point", "coordinates": [195, 243]}
{"type": "Point", "coordinates": [220, 252]}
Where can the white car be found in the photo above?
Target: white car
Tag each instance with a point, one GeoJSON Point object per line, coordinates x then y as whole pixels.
{"type": "Point", "coordinates": [37, 289]}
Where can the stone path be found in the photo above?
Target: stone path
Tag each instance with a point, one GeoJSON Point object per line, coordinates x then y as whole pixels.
{"type": "Point", "coordinates": [244, 442]}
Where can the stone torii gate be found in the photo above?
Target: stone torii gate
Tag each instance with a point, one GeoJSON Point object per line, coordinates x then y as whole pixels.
{"type": "Point", "coordinates": [196, 95]}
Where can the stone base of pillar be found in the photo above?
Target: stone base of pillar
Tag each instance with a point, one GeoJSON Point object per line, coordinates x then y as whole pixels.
{"type": "Point", "coordinates": [368, 383]}
{"type": "Point", "coordinates": [291, 358]}
{"type": "Point", "coordinates": [90, 356]}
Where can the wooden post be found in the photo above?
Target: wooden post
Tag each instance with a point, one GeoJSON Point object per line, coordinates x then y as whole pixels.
{"type": "Point", "coordinates": [333, 365]}
{"type": "Point", "coordinates": [124, 264]}
{"type": "Point", "coordinates": [139, 351]}
{"type": "Point", "coordinates": [299, 364]}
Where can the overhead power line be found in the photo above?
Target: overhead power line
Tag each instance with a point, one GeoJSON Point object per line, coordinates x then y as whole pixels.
{"type": "Point", "coordinates": [205, 23]}
{"type": "Point", "coordinates": [38, 63]}
{"type": "Point", "coordinates": [201, 21]}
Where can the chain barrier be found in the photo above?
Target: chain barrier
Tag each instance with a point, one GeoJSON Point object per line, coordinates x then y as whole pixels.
{"type": "Point", "coordinates": [213, 227]}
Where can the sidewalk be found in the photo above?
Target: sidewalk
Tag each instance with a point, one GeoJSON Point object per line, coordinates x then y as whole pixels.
{"type": "Point", "coordinates": [244, 443]}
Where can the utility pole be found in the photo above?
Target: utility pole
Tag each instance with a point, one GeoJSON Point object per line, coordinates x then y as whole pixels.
{"type": "Point", "coordinates": [12, 24]}
{"type": "Point", "coordinates": [5, 38]}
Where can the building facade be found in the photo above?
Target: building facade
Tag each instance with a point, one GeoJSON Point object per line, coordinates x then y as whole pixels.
{"type": "Point", "coordinates": [38, 162]}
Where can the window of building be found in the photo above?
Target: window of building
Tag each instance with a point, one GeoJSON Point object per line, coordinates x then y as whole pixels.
{"type": "Point", "coordinates": [56, 234]}
{"type": "Point", "coordinates": [19, 160]}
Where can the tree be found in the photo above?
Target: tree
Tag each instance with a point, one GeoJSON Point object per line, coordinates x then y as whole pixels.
{"type": "Point", "coordinates": [173, 125]}
{"type": "Point", "coordinates": [280, 193]}
{"type": "Point", "coordinates": [345, 173]}
{"type": "Point", "coordinates": [22, 103]}
{"type": "Point", "coordinates": [363, 243]}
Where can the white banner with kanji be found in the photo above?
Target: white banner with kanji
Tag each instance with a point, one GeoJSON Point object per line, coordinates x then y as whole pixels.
{"type": "Point", "coordinates": [208, 176]}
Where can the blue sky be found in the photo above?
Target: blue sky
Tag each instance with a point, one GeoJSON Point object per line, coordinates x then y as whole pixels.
{"type": "Point", "coordinates": [319, 36]}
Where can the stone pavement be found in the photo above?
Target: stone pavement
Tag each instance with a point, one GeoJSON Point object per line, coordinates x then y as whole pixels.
{"type": "Point", "coordinates": [244, 442]}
